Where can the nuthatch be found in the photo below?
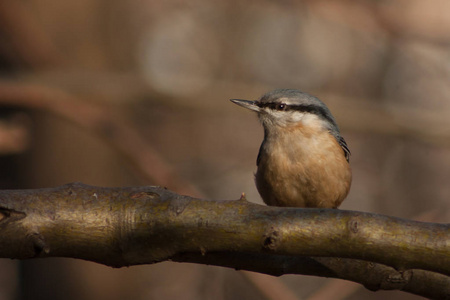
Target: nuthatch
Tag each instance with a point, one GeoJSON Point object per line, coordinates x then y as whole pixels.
{"type": "Point", "coordinates": [303, 160]}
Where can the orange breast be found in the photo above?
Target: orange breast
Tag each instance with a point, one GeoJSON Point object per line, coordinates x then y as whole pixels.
{"type": "Point", "coordinates": [309, 170]}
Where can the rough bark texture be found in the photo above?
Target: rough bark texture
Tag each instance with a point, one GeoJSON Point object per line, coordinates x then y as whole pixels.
{"type": "Point", "coordinates": [142, 225]}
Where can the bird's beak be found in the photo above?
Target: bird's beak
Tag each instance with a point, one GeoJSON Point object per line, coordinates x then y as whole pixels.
{"type": "Point", "coordinates": [252, 105]}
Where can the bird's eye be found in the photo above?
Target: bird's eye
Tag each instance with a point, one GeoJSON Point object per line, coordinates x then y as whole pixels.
{"type": "Point", "coordinates": [280, 106]}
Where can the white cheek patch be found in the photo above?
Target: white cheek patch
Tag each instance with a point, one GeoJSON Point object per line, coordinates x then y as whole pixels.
{"type": "Point", "coordinates": [295, 117]}
{"type": "Point", "coordinates": [306, 119]}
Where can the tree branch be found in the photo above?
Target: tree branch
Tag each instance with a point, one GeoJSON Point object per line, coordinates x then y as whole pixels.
{"type": "Point", "coordinates": [372, 276]}
{"type": "Point", "coordinates": [142, 225]}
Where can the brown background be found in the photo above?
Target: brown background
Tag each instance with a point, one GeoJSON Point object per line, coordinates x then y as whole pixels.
{"type": "Point", "coordinates": [169, 68]}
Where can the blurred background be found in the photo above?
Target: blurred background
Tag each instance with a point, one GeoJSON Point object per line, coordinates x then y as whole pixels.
{"type": "Point", "coordinates": [119, 93]}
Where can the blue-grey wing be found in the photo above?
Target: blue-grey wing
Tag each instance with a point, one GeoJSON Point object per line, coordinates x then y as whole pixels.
{"type": "Point", "coordinates": [258, 159]}
{"type": "Point", "coordinates": [344, 147]}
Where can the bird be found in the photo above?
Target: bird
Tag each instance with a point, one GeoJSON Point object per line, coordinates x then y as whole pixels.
{"type": "Point", "coordinates": [303, 160]}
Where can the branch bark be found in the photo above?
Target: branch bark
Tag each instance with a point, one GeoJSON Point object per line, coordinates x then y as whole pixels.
{"type": "Point", "coordinates": [143, 225]}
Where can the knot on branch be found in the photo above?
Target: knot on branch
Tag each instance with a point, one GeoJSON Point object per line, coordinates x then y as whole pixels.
{"type": "Point", "coordinates": [39, 245]}
{"type": "Point", "coordinates": [178, 205]}
{"type": "Point", "coordinates": [10, 215]}
{"type": "Point", "coordinates": [396, 280]}
{"type": "Point", "coordinates": [74, 187]}
{"type": "Point", "coordinates": [353, 225]}
{"type": "Point", "coordinates": [271, 240]}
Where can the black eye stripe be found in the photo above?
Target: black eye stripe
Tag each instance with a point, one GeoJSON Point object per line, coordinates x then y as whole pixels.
{"type": "Point", "coordinates": [273, 105]}
{"type": "Point", "coordinates": [283, 106]}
